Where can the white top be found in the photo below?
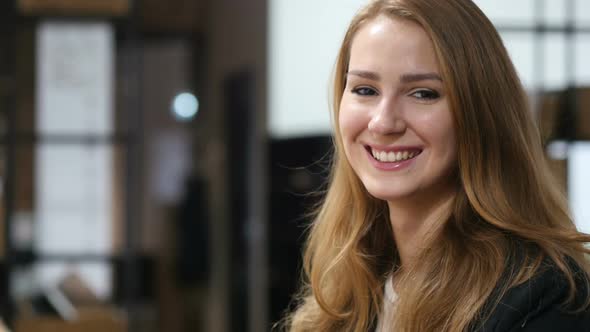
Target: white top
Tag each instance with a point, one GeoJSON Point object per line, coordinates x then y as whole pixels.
{"type": "Point", "coordinates": [389, 300]}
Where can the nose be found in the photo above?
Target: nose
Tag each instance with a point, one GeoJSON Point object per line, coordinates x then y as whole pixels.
{"type": "Point", "coordinates": [387, 119]}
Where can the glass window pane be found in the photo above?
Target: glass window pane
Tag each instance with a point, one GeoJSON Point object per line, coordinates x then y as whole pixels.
{"type": "Point", "coordinates": [554, 69]}
{"type": "Point", "coordinates": [67, 202]}
{"type": "Point", "coordinates": [582, 15]}
{"type": "Point", "coordinates": [508, 11]}
{"type": "Point", "coordinates": [555, 12]}
{"type": "Point", "coordinates": [75, 63]}
{"type": "Point", "coordinates": [74, 196]}
{"type": "Point", "coordinates": [521, 49]}
{"type": "Point", "coordinates": [582, 68]}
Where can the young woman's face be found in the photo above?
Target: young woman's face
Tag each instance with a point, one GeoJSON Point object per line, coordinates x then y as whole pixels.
{"type": "Point", "coordinates": [394, 116]}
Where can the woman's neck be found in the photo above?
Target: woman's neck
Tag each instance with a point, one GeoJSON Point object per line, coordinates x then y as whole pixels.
{"type": "Point", "coordinates": [413, 223]}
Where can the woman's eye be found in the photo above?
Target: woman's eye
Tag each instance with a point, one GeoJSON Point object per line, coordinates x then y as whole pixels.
{"type": "Point", "coordinates": [426, 94]}
{"type": "Point", "coordinates": [364, 91]}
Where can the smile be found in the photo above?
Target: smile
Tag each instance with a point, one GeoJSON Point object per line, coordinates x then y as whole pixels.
{"type": "Point", "coordinates": [394, 156]}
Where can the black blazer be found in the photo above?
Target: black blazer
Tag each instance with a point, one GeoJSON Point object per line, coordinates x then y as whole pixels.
{"type": "Point", "coordinates": [536, 306]}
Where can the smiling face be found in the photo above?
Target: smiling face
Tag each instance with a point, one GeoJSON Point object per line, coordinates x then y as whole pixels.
{"type": "Point", "coordinates": [394, 117]}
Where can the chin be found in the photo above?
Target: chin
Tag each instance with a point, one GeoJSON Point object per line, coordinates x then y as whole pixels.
{"type": "Point", "coordinates": [387, 194]}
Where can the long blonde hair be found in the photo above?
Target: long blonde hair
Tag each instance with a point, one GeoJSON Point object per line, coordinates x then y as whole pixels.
{"type": "Point", "coordinates": [509, 215]}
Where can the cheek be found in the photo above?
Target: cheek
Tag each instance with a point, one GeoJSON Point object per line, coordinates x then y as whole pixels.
{"type": "Point", "coordinates": [439, 131]}
{"type": "Point", "coordinates": [351, 122]}
{"type": "Point", "coordinates": [445, 138]}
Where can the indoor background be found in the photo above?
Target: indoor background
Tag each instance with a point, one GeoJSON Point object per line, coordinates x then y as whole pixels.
{"type": "Point", "coordinates": [158, 158]}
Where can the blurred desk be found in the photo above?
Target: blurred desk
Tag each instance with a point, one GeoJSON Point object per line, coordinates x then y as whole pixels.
{"type": "Point", "coordinates": [94, 320]}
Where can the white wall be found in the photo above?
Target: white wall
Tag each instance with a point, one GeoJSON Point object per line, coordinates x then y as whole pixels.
{"type": "Point", "coordinates": [304, 37]}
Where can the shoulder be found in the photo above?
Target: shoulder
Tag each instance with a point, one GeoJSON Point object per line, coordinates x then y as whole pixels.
{"type": "Point", "coordinates": [537, 305]}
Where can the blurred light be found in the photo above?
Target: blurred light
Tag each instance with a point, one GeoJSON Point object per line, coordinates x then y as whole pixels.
{"type": "Point", "coordinates": [185, 106]}
{"type": "Point", "coordinates": [558, 150]}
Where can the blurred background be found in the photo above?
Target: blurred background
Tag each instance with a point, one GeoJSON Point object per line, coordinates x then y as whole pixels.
{"type": "Point", "coordinates": [158, 158]}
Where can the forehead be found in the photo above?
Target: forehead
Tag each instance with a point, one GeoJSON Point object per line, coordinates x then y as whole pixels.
{"type": "Point", "coordinates": [392, 43]}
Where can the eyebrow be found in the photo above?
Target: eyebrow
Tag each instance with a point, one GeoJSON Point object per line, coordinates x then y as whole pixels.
{"type": "Point", "coordinates": [408, 78]}
{"type": "Point", "coordinates": [365, 74]}
{"type": "Point", "coordinates": [405, 78]}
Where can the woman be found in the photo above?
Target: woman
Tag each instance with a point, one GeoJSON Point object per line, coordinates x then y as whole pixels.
{"type": "Point", "coordinates": [441, 213]}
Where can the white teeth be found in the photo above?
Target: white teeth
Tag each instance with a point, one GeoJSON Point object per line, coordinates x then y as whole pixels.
{"type": "Point", "coordinates": [393, 156]}
{"type": "Point", "coordinates": [390, 156]}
